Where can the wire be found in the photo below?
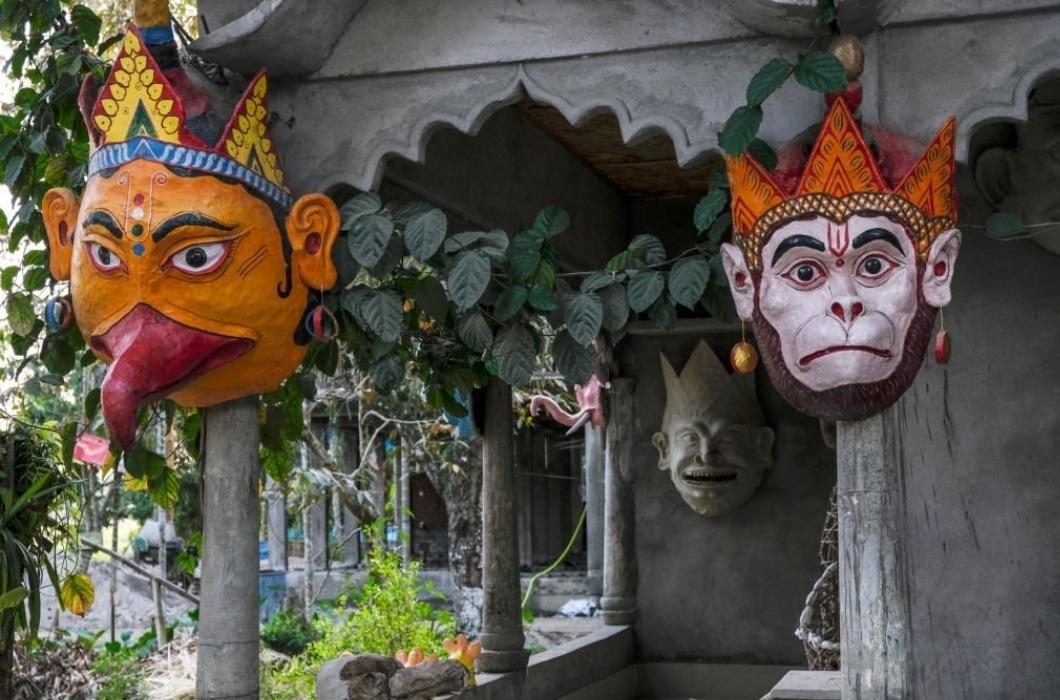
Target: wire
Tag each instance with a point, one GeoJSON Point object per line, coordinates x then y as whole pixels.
{"type": "Point", "coordinates": [560, 558]}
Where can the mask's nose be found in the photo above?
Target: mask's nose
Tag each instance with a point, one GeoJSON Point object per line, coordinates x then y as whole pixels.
{"type": "Point", "coordinates": [153, 356]}
{"type": "Point", "coordinates": [846, 309]}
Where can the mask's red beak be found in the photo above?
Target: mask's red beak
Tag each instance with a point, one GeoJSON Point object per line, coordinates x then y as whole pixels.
{"type": "Point", "coordinates": [153, 355]}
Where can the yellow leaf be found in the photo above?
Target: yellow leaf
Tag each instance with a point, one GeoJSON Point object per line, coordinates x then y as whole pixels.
{"type": "Point", "coordinates": [134, 484]}
{"type": "Point", "coordinates": [77, 593]}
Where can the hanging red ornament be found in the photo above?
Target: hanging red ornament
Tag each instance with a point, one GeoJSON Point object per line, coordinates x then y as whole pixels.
{"type": "Point", "coordinates": [942, 347]}
{"type": "Point", "coordinates": [321, 324]}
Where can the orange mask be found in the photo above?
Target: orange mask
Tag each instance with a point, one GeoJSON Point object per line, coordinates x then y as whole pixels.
{"type": "Point", "coordinates": [189, 283]}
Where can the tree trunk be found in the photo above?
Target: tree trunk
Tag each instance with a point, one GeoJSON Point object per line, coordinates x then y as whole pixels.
{"type": "Point", "coordinates": [228, 611]}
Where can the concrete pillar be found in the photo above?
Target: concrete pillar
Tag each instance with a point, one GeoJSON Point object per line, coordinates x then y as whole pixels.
{"type": "Point", "coordinates": [619, 601]}
{"type": "Point", "coordinates": [594, 502]}
{"type": "Point", "coordinates": [316, 535]}
{"type": "Point", "coordinates": [276, 525]}
{"type": "Point", "coordinates": [228, 608]}
{"type": "Point", "coordinates": [874, 595]}
{"type": "Point", "coordinates": [351, 455]}
{"type": "Point", "coordinates": [502, 623]}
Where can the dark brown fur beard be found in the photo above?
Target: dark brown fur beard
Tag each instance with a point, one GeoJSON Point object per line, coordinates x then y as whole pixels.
{"type": "Point", "coordinates": [851, 401]}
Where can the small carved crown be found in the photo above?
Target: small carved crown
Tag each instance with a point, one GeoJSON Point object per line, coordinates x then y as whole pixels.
{"type": "Point", "coordinates": [140, 113]}
{"type": "Point", "coordinates": [842, 177]}
{"type": "Point", "coordinates": [705, 387]}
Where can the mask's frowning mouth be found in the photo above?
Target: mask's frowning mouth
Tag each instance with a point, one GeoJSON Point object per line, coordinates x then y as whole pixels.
{"type": "Point", "coordinates": [153, 355]}
{"type": "Point", "coordinates": [886, 354]}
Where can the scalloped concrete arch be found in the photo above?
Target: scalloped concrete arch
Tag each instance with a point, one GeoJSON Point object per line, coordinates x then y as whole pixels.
{"type": "Point", "coordinates": [413, 146]}
{"type": "Point", "coordinates": [970, 120]}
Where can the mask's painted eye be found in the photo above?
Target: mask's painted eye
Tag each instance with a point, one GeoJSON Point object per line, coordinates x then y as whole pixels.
{"type": "Point", "coordinates": [201, 258]}
{"type": "Point", "coordinates": [103, 258]}
{"type": "Point", "coordinates": [875, 266]}
{"type": "Point", "coordinates": [805, 274]}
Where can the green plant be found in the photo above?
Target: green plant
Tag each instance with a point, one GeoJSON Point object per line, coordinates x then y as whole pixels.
{"type": "Point", "coordinates": [389, 614]}
{"type": "Point", "coordinates": [121, 676]}
{"type": "Point", "coordinates": [32, 482]}
{"type": "Point", "coordinates": [288, 632]}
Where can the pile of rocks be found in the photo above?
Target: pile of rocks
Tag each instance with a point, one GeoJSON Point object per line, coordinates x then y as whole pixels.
{"type": "Point", "coordinates": [375, 677]}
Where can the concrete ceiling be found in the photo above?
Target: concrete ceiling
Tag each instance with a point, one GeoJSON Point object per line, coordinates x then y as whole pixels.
{"type": "Point", "coordinates": [647, 168]}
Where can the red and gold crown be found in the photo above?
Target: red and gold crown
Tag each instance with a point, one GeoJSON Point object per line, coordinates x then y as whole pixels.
{"type": "Point", "coordinates": [140, 114]}
{"type": "Point", "coordinates": [840, 178]}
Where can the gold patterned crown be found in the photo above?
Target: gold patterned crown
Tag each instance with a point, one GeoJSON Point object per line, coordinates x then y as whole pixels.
{"type": "Point", "coordinates": [841, 178]}
{"type": "Point", "coordinates": [140, 114]}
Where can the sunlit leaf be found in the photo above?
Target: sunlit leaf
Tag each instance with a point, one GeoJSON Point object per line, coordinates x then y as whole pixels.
{"type": "Point", "coordinates": [77, 593]}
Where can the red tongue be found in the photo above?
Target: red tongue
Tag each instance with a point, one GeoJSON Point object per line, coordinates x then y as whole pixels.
{"type": "Point", "coordinates": [153, 355]}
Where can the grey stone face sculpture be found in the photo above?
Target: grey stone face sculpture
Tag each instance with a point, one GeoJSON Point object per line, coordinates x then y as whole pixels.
{"type": "Point", "coordinates": [713, 439]}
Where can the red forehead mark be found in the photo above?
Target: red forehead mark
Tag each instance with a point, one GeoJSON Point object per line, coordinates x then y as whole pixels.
{"type": "Point", "coordinates": [138, 199]}
{"type": "Point", "coordinates": [839, 262]}
{"type": "Point", "coordinates": [838, 240]}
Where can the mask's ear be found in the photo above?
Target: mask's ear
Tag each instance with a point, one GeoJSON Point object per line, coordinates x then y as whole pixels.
{"type": "Point", "coordinates": [662, 444]}
{"type": "Point", "coordinates": [740, 281]}
{"type": "Point", "coordinates": [59, 209]}
{"type": "Point", "coordinates": [764, 445]}
{"type": "Point", "coordinates": [938, 270]}
{"type": "Point", "coordinates": [312, 228]}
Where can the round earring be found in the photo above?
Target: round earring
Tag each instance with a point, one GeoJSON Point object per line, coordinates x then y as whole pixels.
{"type": "Point", "coordinates": [58, 314]}
{"type": "Point", "coordinates": [322, 324]}
{"type": "Point", "coordinates": [942, 342]}
{"type": "Point", "coordinates": [744, 357]}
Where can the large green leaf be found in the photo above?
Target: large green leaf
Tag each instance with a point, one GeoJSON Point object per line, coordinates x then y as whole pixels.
{"type": "Point", "coordinates": [362, 205]}
{"type": "Point", "coordinates": [552, 221]}
{"type": "Point", "coordinates": [430, 296]}
{"type": "Point", "coordinates": [644, 288]}
{"type": "Point", "coordinates": [572, 360]}
{"type": "Point", "coordinates": [492, 243]}
{"type": "Point", "coordinates": [20, 314]}
{"type": "Point", "coordinates": [663, 313]}
{"type": "Point", "coordinates": [584, 314]}
{"type": "Point", "coordinates": [542, 298]}
{"type": "Point", "coordinates": [740, 129]}
{"type": "Point", "coordinates": [13, 597]}
{"type": "Point", "coordinates": [369, 237]}
{"type": "Point", "coordinates": [92, 404]}
{"type": "Point", "coordinates": [524, 255]}
{"type": "Point", "coordinates": [708, 208]}
{"type": "Point", "coordinates": [424, 233]}
{"type": "Point", "coordinates": [767, 80]}
{"type": "Point", "coordinates": [820, 71]}
{"type": "Point", "coordinates": [763, 153]}
{"type": "Point", "coordinates": [381, 311]}
{"type": "Point", "coordinates": [468, 278]}
{"type": "Point", "coordinates": [510, 302]}
{"type": "Point", "coordinates": [388, 372]}
{"type": "Point", "coordinates": [688, 280]}
{"type": "Point", "coordinates": [475, 332]}
{"type": "Point", "coordinates": [87, 24]}
{"type": "Point", "coordinates": [395, 250]}
{"type": "Point", "coordinates": [515, 354]}
{"type": "Point", "coordinates": [599, 280]}
{"type": "Point", "coordinates": [616, 306]}
{"type": "Point", "coordinates": [164, 488]}
{"type": "Point", "coordinates": [648, 248]}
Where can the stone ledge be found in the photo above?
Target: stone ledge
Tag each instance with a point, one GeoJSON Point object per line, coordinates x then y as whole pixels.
{"type": "Point", "coordinates": [807, 685]}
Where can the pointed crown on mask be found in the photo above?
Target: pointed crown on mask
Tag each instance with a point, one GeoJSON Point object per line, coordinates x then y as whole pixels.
{"type": "Point", "coordinates": [141, 113]}
{"type": "Point", "coordinates": [705, 388]}
{"type": "Point", "coordinates": [842, 176]}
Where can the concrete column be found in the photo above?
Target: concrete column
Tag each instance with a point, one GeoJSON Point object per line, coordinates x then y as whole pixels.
{"type": "Point", "coordinates": [276, 525]}
{"type": "Point", "coordinates": [350, 457]}
{"type": "Point", "coordinates": [874, 595]}
{"type": "Point", "coordinates": [594, 502]}
{"type": "Point", "coordinates": [619, 601]}
{"type": "Point", "coordinates": [502, 623]}
{"type": "Point", "coordinates": [228, 608]}
{"type": "Point", "coordinates": [316, 535]}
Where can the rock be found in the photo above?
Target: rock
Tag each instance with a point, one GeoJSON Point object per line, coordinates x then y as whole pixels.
{"type": "Point", "coordinates": [274, 659]}
{"type": "Point", "coordinates": [330, 686]}
{"type": "Point", "coordinates": [428, 680]}
{"type": "Point", "coordinates": [367, 676]}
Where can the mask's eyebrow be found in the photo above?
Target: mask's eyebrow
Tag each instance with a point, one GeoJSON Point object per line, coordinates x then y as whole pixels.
{"type": "Point", "coordinates": [186, 219]}
{"type": "Point", "coordinates": [796, 241]}
{"type": "Point", "coordinates": [877, 234]}
{"type": "Point", "coordinates": [104, 220]}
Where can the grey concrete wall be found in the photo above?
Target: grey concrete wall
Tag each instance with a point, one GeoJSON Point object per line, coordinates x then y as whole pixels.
{"type": "Point", "coordinates": [726, 589]}
{"type": "Point", "coordinates": [982, 439]}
